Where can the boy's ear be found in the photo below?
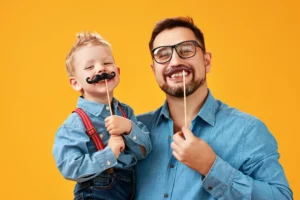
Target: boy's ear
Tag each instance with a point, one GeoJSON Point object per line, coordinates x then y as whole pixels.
{"type": "Point", "coordinates": [75, 85]}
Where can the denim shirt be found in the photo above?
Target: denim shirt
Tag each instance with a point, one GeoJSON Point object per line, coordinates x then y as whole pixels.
{"type": "Point", "coordinates": [75, 153]}
{"type": "Point", "coordinates": [246, 166]}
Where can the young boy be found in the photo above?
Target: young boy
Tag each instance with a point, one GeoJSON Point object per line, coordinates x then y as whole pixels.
{"type": "Point", "coordinates": [107, 173]}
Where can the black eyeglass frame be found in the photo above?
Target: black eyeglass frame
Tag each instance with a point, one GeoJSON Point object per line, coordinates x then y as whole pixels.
{"type": "Point", "coordinates": [175, 47]}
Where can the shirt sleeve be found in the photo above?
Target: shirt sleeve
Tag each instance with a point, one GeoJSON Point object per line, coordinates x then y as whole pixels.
{"type": "Point", "coordinates": [260, 177]}
{"type": "Point", "coordinates": [139, 136]}
{"type": "Point", "coordinates": [71, 155]}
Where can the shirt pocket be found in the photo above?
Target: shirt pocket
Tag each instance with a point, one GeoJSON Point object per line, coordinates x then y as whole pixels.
{"type": "Point", "coordinates": [104, 136]}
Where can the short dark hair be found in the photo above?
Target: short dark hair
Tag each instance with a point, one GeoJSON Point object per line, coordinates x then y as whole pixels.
{"type": "Point", "coordinates": [170, 23]}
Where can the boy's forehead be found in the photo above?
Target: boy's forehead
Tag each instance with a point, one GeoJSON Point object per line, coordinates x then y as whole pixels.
{"type": "Point", "coordinates": [92, 52]}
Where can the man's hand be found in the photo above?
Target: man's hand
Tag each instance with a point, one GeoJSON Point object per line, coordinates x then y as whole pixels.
{"type": "Point", "coordinates": [193, 151]}
{"type": "Point", "coordinates": [117, 145]}
{"type": "Point", "coordinates": [117, 125]}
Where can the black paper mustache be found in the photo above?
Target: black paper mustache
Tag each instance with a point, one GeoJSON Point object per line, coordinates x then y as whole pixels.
{"type": "Point", "coordinates": [100, 77]}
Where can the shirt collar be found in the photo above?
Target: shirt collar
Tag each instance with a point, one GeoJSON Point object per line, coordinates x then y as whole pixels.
{"type": "Point", "coordinates": [206, 113]}
{"type": "Point", "coordinates": [209, 109]}
{"type": "Point", "coordinates": [164, 113]}
{"type": "Point", "coordinates": [94, 108]}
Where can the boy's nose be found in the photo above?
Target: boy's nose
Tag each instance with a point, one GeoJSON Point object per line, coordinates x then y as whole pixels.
{"type": "Point", "coordinates": [100, 68]}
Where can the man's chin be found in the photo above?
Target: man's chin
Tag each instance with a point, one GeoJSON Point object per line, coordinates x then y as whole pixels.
{"type": "Point", "coordinates": [175, 92]}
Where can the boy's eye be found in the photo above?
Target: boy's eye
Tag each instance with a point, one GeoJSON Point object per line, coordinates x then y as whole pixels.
{"type": "Point", "coordinates": [108, 63]}
{"type": "Point", "coordinates": [90, 67]}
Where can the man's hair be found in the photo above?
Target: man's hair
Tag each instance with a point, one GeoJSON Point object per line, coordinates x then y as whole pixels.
{"type": "Point", "coordinates": [83, 39]}
{"type": "Point", "coordinates": [170, 23]}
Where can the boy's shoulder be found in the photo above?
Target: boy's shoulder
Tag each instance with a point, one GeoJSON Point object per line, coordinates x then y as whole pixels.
{"type": "Point", "coordinates": [73, 121]}
{"type": "Point", "coordinates": [125, 107]}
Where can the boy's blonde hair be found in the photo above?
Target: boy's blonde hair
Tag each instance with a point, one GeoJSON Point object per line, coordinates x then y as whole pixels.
{"type": "Point", "coordinates": [83, 39]}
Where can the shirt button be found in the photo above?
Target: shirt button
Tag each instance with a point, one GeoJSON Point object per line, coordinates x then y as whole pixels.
{"type": "Point", "coordinates": [108, 162]}
{"type": "Point", "coordinates": [169, 137]}
{"type": "Point", "coordinates": [171, 166]}
{"type": "Point", "coordinates": [101, 135]}
{"type": "Point", "coordinates": [166, 195]}
{"type": "Point", "coordinates": [134, 137]}
{"type": "Point", "coordinates": [209, 188]}
{"type": "Point", "coordinates": [107, 107]}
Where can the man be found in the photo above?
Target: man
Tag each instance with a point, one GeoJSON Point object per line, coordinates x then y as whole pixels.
{"type": "Point", "coordinates": [222, 153]}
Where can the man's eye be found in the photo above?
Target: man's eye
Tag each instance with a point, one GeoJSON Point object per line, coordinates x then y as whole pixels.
{"type": "Point", "coordinates": [163, 54]}
{"type": "Point", "coordinates": [90, 67]}
{"type": "Point", "coordinates": [186, 49]}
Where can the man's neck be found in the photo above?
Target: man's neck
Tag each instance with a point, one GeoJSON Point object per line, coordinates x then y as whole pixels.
{"type": "Point", "coordinates": [194, 103]}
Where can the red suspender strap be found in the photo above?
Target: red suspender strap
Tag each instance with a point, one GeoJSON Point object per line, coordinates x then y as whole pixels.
{"type": "Point", "coordinates": [122, 111]}
{"type": "Point", "coordinates": [90, 129]}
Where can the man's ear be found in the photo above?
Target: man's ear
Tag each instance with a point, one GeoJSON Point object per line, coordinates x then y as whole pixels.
{"type": "Point", "coordinates": [152, 67]}
{"type": "Point", "coordinates": [207, 61]}
{"type": "Point", "coordinates": [75, 85]}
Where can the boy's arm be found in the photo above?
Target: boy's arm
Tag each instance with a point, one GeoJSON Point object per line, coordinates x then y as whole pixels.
{"type": "Point", "coordinates": [70, 153]}
{"type": "Point", "coordinates": [138, 139]}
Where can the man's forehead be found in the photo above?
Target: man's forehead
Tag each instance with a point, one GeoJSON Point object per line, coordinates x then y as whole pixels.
{"type": "Point", "coordinates": [173, 36]}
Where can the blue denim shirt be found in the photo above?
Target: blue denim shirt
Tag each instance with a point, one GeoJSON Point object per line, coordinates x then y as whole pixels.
{"type": "Point", "coordinates": [75, 154]}
{"type": "Point", "coordinates": [246, 166]}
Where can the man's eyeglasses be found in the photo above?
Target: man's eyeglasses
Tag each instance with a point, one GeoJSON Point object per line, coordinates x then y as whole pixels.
{"type": "Point", "coordinates": [186, 49]}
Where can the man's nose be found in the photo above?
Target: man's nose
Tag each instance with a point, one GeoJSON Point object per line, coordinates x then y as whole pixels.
{"type": "Point", "coordinates": [175, 60]}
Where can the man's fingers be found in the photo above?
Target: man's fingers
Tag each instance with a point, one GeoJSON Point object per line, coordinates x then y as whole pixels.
{"type": "Point", "coordinates": [178, 138]}
{"type": "Point", "coordinates": [176, 155]}
{"type": "Point", "coordinates": [187, 133]}
{"type": "Point", "coordinates": [176, 148]}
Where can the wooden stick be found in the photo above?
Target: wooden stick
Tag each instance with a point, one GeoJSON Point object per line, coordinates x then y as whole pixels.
{"type": "Point", "coordinates": [108, 98]}
{"type": "Point", "coordinates": [184, 98]}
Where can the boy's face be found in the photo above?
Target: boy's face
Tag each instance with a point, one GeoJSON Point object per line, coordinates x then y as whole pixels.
{"type": "Point", "coordinates": [89, 61]}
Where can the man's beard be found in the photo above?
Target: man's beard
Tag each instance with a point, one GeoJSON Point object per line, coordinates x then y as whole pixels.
{"type": "Point", "coordinates": [190, 88]}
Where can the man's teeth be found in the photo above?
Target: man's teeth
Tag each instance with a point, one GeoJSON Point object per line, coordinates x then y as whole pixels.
{"type": "Point", "coordinates": [178, 75]}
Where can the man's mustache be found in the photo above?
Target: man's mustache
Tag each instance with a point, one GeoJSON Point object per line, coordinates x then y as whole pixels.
{"type": "Point", "coordinates": [100, 77]}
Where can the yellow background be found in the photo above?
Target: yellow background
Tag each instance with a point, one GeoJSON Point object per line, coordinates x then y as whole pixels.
{"type": "Point", "coordinates": [255, 47]}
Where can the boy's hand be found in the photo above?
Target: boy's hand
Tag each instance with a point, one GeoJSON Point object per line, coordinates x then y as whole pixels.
{"type": "Point", "coordinates": [117, 145]}
{"type": "Point", "coordinates": [117, 125]}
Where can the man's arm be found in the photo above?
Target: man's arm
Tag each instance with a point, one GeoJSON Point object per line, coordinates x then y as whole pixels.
{"type": "Point", "coordinates": [260, 176]}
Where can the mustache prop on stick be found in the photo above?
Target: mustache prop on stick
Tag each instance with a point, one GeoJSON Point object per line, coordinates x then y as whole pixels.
{"type": "Point", "coordinates": [101, 77]}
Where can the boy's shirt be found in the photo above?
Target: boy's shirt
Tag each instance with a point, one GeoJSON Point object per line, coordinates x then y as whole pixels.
{"type": "Point", "coordinates": [75, 153]}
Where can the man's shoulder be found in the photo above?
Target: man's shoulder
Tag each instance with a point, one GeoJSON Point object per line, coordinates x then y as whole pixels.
{"type": "Point", "coordinates": [148, 117]}
{"type": "Point", "coordinates": [232, 113]}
